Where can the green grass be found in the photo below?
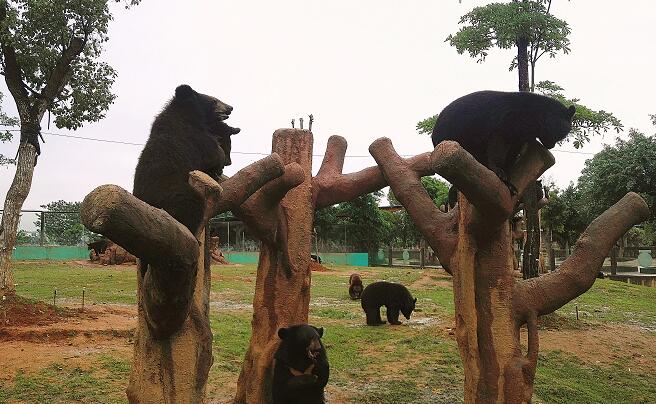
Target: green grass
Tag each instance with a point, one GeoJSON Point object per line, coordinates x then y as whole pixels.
{"type": "Point", "coordinates": [413, 363]}
{"type": "Point", "coordinates": [617, 302]}
{"type": "Point", "coordinates": [59, 383]}
{"type": "Point", "coordinates": [102, 285]}
{"type": "Point", "coordinates": [563, 378]}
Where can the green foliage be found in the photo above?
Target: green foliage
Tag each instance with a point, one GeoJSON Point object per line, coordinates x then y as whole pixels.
{"type": "Point", "coordinates": [629, 165]}
{"type": "Point", "coordinates": [405, 232]}
{"type": "Point", "coordinates": [586, 121]}
{"type": "Point", "coordinates": [500, 24]}
{"type": "Point", "coordinates": [6, 136]}
{"type": "Point", "coordinates": [23, 237]}
{"type": "Point", "coordinates": [562, 214]}
{"type": "Point", "coordinates": [64, 228]}
{"type": "Point", "coordinates": [426, 126]}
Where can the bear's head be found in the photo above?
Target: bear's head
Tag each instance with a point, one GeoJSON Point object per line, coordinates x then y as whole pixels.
{"type": "Point", "coordinates": [211, 112]}
{"type": "Point", "coordinates": [302, 341]}
{"type": "Point", "coordinates": [557, 123]}
{"type": "Point", "coordinates": [409, 307]}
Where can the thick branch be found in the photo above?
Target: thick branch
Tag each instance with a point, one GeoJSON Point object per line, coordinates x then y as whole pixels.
{"type": "Point", "coordinates": [141, 229]}
{"type": "Point", "coordinates": [437, 227]}
{"type": "Point", "coordinates": [156, 238]}
{"type": "Point", "coordinates": [262, 212]}
{"type": "Point", "coordinates": [13, 75]}
{"type": "Point", "coordinates": [577, 274]}
{"type": "Point", "coordinates": [330, 186]}
{"type": "Point", "coordinates": [235, 190]}
{"type": "Point", "coordinates": [481, 186]}
{"type": "Point", "coordinates": [60, 74]}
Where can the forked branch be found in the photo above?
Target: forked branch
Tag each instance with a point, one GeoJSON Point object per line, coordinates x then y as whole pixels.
{"type": "Point", "coordinates": [481, 186]}
{"type": "Point", "coordinates": [437, 227]}
{"type": "Point", "coordinates": [577, 273]}
{"type": "Point", "coordinates": [330, 186]}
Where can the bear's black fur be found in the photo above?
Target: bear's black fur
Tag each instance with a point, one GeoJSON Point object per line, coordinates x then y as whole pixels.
{"type": "Point", "coordinates": [301, 366]}
{"type": "Point", "coordinates": [493, 126]}
{"type": "Point", "coordinates": [355, 286]}
{"type": "Point", "coordinates": [189, 134]}
{"type": "Point", "coordinates": [393, 296]}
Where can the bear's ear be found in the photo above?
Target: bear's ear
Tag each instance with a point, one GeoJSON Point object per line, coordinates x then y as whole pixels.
{"type": "Point", "coordinates": [184, 92]}
{"type": "Point", "coordinates": [282, 333]}
{"type": "Point", "coordinates": [320, 331]}
{"type": "Point", "coordinates": [571, 110]}
{"type": "Point", "coordinates": [415, 300]}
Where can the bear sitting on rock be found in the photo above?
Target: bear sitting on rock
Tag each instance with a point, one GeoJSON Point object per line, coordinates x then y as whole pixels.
{"type": "Point", "coordinates": [301, 366]}
{"type": "Point", "coordinates": [395, 297]}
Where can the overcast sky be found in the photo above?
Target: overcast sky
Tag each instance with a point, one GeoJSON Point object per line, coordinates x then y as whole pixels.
{"type": "Point", "coordinates": [365, 69]}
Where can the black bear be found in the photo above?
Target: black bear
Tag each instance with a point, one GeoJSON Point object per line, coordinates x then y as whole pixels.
{"type": "Point", "coordinates": [189, 134]}
{"type": "Point", "coordinates": [355, 286]}
{"type": "Point", "coordinates": [301, 366]}
{"type": "Point", "coordinates": [393, 296]}
{"type": "Point", "coordinates": [493, 126]}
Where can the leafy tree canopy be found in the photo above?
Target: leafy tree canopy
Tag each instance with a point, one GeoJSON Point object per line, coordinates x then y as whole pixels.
{"type": "Point", "coordinates": [437, 189]}
{"type": "Point", "coordinates": [586, 121]}
{"type": "Point", "coordinates": [628, 165]}
{"type": "Point", "coordinates": [562, 214]}
{"type": "Point", "coordinates": [40, 37]}
{"type": "Point", "coordinates": [500, 24]}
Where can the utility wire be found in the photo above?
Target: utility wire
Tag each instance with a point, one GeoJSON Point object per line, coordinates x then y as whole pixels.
{"type": "Point", "coordinates": [243, 153]}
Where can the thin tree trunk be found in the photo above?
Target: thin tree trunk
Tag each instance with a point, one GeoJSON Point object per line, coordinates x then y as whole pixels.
{"type": "Point", "coordinates": [531, 254]}
{"type": "Point", "coordinates": [522, 63]}
{"type": "Point", "coordinates": [14, 200]}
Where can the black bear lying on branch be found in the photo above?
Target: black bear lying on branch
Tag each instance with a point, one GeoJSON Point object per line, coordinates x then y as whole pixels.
{"type": "Point", "coordinates": [494, 126]}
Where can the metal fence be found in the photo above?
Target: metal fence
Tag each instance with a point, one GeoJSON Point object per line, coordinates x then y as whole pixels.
{"type": "Point", "coordinates": [52, 228]}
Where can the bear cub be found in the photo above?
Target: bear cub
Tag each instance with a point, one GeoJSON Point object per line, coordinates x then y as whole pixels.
{"type": "Point", "coordinates": [355, 286]}
{"type": "Point", "coordinates": [189, 134]}
{"type": "Point", "coordinates": [493, 126]}
{"type": "Point", "coordinates": [301, 366]}
{"type": "Point", "coordinates": [395, 297]}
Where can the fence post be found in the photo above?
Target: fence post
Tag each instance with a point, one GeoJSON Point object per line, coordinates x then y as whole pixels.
{"type": "Point", "coordinates": [389, 255]}
{"type": "Point", "coordinates": [43, 226]}
{"type": "Point", "coordinates": [613, 260]}
{"type": "Point", "coordinates": [422, 254]}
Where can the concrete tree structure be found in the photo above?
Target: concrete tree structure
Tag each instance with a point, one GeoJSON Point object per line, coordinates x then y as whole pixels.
{"type": "Point", "coordinates": [173, 344]}
{"type": "Point", "coordinates": [283, 221]}
{"type": "Point", "coordinates": [474, 241]}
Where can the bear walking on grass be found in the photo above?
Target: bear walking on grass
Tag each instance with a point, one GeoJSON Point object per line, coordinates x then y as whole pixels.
{"type": "Point", "coordinates": [395, 297]}
{"type": "Point", "coordinates": [493, 126]}
{"type": "Point", "coordinates": [301, 366]}
{"type": "Point", "coordinates": [189, 134]}
{"type": "Point", "coordinates": [355, 286]}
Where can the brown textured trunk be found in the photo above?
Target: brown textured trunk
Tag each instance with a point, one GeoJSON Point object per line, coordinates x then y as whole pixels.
{"type": "Point", "coordinates": [486, 330]}
{"type": "Point", "coordinates": [173, 344]}
{"type": "Point", "coordinates": [14, 200]}
{"type": "Point", "coordinates": [531, 254]}
{"type": "Point", "coordinates": [522, 64]}
{"type": "Point", "coordinates": [175, 369]}
{"type": "Point", "coordinates": [282, 287]}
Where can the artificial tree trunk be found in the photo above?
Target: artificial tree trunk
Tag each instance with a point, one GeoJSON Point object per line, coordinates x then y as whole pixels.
{"type": "Point", "coordinates": [491, 306]}
{"type": "Point", "coordinates": [282, 288]}
{"type": "Point", "coordinates": [173, 341]}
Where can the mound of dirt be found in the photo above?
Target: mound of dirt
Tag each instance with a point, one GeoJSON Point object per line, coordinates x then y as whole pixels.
{"type": "Point", "coordinates": [19, 311]}
{"type": "Point", "coordinates": [316, 267]}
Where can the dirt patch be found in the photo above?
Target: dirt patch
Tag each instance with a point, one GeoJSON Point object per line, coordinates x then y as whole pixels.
{"type": "Point", "coordinates": [19, 311]}
{"type": "Point", "coordinates": [68, 340]}
{"type": "Point", "coordinates": [431, 278]}
{"type": "Point", "coordinates": [316, 267]}
{"type": "Point", "coordinates": [605, 344]}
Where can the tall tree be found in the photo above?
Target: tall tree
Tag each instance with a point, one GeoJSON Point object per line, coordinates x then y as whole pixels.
{"type": "Point", "coordinates": [49, 52]}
